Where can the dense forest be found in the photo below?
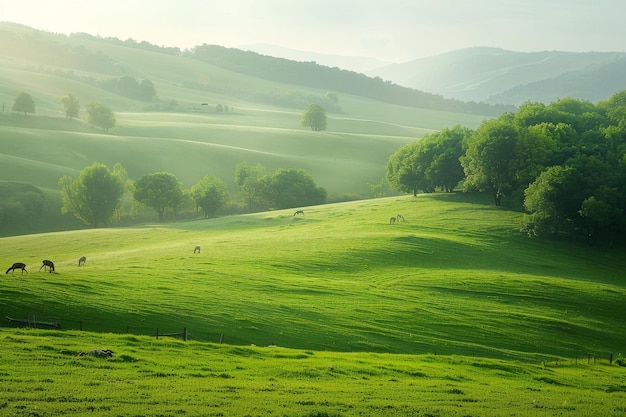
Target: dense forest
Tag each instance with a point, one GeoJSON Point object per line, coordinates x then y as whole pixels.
{"type": "Point", "coordinates": [563, 163]}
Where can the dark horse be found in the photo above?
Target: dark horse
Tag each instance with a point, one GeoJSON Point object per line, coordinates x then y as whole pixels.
{"type": "Point", "coordinates": [197, 249]}
{"type": "Point", "coordinates": [82, 261]}
{"type": "Point", "coordinates": [301, 212]}
{"type": "Point", "coordinates": [17, 265]}
{"type": "Point", "coordinates": [49, 264]}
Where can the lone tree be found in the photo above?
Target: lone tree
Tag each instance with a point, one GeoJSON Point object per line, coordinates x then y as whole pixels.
{"type": "Point", "coordinates": [314, 117]}
{"type": "Point", "coordinates": [100, 115]}
{"type": "Point", "coordinates": [24, 103]}
{"type": "Point", "coordinates": [94, 196]}
{"type": "Point", "coordinates": [159, 191]}
{"type": "Point", "coordinates": [71, 105]}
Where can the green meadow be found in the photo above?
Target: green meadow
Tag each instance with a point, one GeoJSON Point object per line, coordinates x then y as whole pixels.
{"type": "Point", "coordinates": [449, 313]}
{"type": "Point", "coordinates": [193, 140]}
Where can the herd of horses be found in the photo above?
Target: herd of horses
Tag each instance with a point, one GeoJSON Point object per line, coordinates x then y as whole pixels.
{"type": "Point", "coordinates": [50, 265]}
{"type": "Point", "coordinates": [396, 218]}
{"type": "Point", "coordinates": [45, 264]}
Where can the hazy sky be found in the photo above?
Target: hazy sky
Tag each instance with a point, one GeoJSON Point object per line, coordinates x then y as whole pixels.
{"type": "Point", "coordinates": [392, 30]}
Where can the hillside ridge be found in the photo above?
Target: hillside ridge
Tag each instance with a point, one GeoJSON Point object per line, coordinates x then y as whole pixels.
{"type": "Point", "coordinates": [496, 75]}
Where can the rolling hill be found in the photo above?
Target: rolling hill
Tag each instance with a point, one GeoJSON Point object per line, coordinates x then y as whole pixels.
{"type": "Point", "coordinates": [495, 75]}
{"type": "Point", "coordinates": [175, 132]}
{"type": "Point", "coordinates": [456, 278]}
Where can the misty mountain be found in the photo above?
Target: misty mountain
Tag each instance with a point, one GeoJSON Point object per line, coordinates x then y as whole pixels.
{"type": "Point", "coordinates": [495, 75]}
{"type": "Point", "coordinates": [361, 64]}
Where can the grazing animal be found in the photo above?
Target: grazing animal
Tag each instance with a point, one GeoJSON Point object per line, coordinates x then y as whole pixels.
{"type": "Point", "coordinates": [98, 353]}
{"type": "Point", "coordinates": [49, 264]}
{"type": "Point", "coordinates": [17, 265]}
{"type": "Point", "coordinates": [82, 261]}
{"type": "Point", "coordinates": [197, 249]}
{"type": "Point", "coordinates": [301, 212]}
{"type": "Point", "coordinates": [400, 217]}
{"type": "Point", "coordinates": [392, 220]}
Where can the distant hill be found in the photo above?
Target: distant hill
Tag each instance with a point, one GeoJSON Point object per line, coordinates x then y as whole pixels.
{"type": "Point", "coordinates": [495, 75]}
{"type": "Point", "coordinates": [361, 64]}
{"type": "Point", "coordinates": [312, 75]}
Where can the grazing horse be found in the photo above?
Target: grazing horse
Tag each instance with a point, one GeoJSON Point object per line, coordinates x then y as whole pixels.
{"type": "Point", "coordinates": [98, 353]}
{"type": "Point", "coordinates": [301, 212]}
{"type": "Point", "coordinates": [49, 264]}
{"type": "Point", "coordinates": [82, 261]}
{"type": "Point", "coordinates": [392, 220]}
{"type": "Point", "coordinates": [17, 265]}
{"type": "Point", "coordinates": [400, 216]}
{"type": "Point", "coordinates": [197, 249]}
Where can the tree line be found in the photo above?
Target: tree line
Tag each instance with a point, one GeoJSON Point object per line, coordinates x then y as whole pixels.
{"type": "Point", "coordinates": [96, 196]}
{"type": "Point", "coordinates": [97, 114]}
{"type": "Point", "coordinates": [563, 163]}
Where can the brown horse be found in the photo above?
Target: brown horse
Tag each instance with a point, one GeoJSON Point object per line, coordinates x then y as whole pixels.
{"type": "Point", "coordinates": [82, 261]}
{"type": "Point", "coordinates": [300, 212]}
{"type": "Point", "coordinates": [49, 264]}
{"type": "Point", "coordinates": [197, 249]}
{"type": "Point", "coordinates": [17, 265]}
{"type": "Point", "coordinates": [392, 220]}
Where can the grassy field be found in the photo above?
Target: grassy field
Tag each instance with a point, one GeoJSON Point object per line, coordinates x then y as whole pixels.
{"type": "Point", "coordinates": [335, 313]}
{"type": "Point", "coordinates": [195, 140]}
{"type": "Point", "coordinates": [455, 278]}
{"type": "Point", "coordinates": [42, 375]}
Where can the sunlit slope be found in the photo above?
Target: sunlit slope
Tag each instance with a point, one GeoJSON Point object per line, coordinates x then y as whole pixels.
{"type": "Point", "coordinates": [194, 141]}
{"type": "Point", "coordinates": [41, 151]}
{"type": "Point", "coordinates": [455, 278]}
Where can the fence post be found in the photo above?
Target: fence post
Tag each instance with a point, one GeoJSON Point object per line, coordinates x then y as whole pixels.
{"type": "Point", "coordinates": [184, 334]}
{"type": "Point", "coordinates": [221, 338]}
{"type": "Point", "coordinates": [610, 358]}
{"type": "Point", "coordinates": [157, 333]}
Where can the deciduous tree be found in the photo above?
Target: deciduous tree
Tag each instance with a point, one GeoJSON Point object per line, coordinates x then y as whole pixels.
{"type": "Point", "coordinates": [94, 196]}
{"type": "Point", "coordinates": [24, 103]}
{"type": "Point", "coordinates": [100, 115]}
{"type": "Point", "coordinates": [488, 158]}
{"type": "Point", "coordinates": [209, 194]}
{"type": "Point", "coordinates": [71, 105]}
{"type": "Point", "coordinates": [314, 117]}
{"type": "Point", "coordinates": [159, 191]}
{"type": "Point", "coordinates": [289, 188]}
{"type": "Point", "coordinates": [247, 179]}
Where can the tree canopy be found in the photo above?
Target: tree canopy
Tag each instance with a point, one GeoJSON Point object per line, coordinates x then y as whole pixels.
{"type": "Point", "coordinates": [100, 115]}
{"type": "Point", "coordinates": [159, 191]}
{"type": "Point", "coordinates": [563, 163]}
{"type": "Point", "coordinates": [288, 188]}
{"type": "Point", "coordinates": [248, 178]}
{"type": "Point", "coordinates": [94, 196]}
{"type": "Point", "coordinates": [210, 195]}
{"type": "Point", "coordinates": [71, 105]}
{"type": "Point", "coordinates": [314, 117]}
{"type": "Point", "coordinates": [24, 103]}
{"type": "Point", "coordinates": [429, 164]}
